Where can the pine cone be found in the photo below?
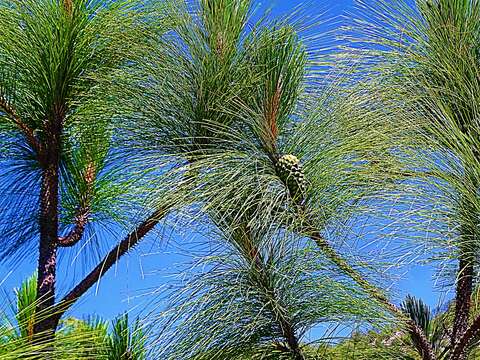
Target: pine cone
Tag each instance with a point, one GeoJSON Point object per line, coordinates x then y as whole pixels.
{"type": "Point", "coordinates": [291, 173]}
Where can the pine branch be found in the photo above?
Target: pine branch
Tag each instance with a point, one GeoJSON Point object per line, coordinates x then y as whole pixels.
{"type": "Point", "coordinates": [418, 336]}
{"type": "Point", "coordinates": [110, 259]}
{"type": "Point", "coordinates": [253, 255]}
{"type": "Point", "coordinates": [24, 128]}
{"type": "Point", "coordinates": [81, 219]}
{"type": "Point", "coordinates": [68, 5]}
{"type": "Point", "coordinates": [272, 109]}
{"type": "Point", "coordinates": [416, 333]}
{"type": "Point", "coordinates": [76, 234]}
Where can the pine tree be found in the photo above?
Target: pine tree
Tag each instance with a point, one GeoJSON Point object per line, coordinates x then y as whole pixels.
{"type": "Point", "coordinates": [61, 176]}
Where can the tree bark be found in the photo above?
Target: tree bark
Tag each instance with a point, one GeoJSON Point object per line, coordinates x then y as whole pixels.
{"type": "Point", "coordinates": [48, 225]}
{"type": "Point", "coordinates": [289, 335]}
{"type": "Point", "coordinates": [463, 297]}
{"type": "Point", "coordinates": [461, 346]}
{"type": "Point", "coordinates": [465, 274]}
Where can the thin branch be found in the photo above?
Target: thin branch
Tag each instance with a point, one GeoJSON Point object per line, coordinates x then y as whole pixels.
{"type": "Point", "coordinates": [253, 255]}
{"type": "Point", "coordinates": [76, 234]}
{"type": "Point", "coordinates": [110, 259]}
{"type": "Point", "coordinates": [81, 219]}
{"type": "Point", "coordinates": [68, 5]}
{"type": "Point", "coordinates": [420, 340]}
{"type": "Point", "coordinates": [272, 109]}
{"type": "Point", "coordinates": [24, 128]}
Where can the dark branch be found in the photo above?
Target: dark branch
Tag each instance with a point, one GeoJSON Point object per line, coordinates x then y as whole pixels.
{"type": "Point", "coordinates": [253, 255]}
{"type": "Point", "coordinates": [74, 236]}
{"type": "Point", "coordinates": [420, 341]}
{"type": "Point", "coordinates": [81, 219]}
{"type": "Point", "coordinates": [110, 259]}
{"type": "Point", "coordinates": [24, 128]}
{"type": "Point", "coordinates": [422, 345]}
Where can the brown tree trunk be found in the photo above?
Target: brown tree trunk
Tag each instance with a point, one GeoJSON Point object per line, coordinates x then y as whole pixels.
{"type": "Point", "coordinates": [289, 334]}
{"type": "Point", "coordinates": [463, 299]}
{"type": "Point", "coordinates": [48, 225]}
{"type": "Point", "coordinates": [465, 274]}
{"type": "Point", "coordinates": [460, 349]}
{"type": "Point", "coordinates": [49, 159]}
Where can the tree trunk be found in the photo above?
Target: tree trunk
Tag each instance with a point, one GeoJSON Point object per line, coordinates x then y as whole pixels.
{"type": "Point", "coordinates": [47, 260]}
{"type": "Point", "coordinates": [289, 335]}
{"type": "Point", "coordinates": [45, 323]}
{"type": "Point", "coordinates": [460, 349]}
{"type": "Point", "coordinates": [465, 274]}
{"type": "Point", "coordinates": [463, 298]}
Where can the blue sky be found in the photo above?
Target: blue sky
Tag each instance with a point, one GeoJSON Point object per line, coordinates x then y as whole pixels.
{"type": "Point", "coordinates": [149, 266]}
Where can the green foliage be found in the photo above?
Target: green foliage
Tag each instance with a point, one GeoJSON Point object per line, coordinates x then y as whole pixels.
{"type": "Point", "coordinates": [419, 312]}
{"type": "Point", "coordinates": [126, 342]}
{"type": "Point", "coordinates": [236, 113]}
{"type": "Point", "coordinates": [365, 346]}
{"type": "Point", "coordinates": [54, 60]}
{"type": "Point", "coordinates": [263, 279]}
{"type": "Point", "coordinates": [75, 339]}
{"type": "Point", "coordinates": [26, 298]}
{"type": "Point", "coordinates": [231, 308]}
{"type": "Point", "coordinates": [430, 69]}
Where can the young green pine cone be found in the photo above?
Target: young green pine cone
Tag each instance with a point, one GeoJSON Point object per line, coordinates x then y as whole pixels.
{"type": "Point", "coordinates": [291, 173]}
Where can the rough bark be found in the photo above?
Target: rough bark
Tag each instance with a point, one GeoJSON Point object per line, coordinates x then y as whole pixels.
{"type": "Point", "coordinates": [461, 346]}
{"type": "Point", "coordinates": [463, 298]}
{"type": "Point", "coordinates": [420, 341]}
{"type": "Point", "coordinates": [463, 302]}
{"type": "Point", "coordinates": [292, 341]}
{"type": "Point", "coordinates": [465, 274]}
{"type": "Point", "coordinates": [48, 225]}
{"type": "Point", "coordinates": [76, 234]}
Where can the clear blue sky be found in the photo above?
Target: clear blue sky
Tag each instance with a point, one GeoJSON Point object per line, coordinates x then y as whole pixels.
{"type": "Point", "coordinates": [148, 267]}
